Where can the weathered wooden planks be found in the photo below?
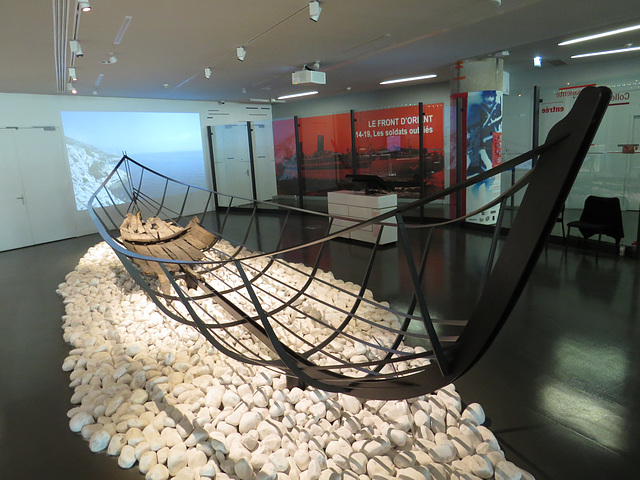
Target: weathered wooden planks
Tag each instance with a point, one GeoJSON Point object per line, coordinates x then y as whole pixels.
{"type": "Point", "coordinates": [164, 240]}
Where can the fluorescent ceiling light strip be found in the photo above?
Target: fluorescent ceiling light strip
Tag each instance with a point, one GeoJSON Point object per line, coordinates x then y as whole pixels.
{"type": "Point", "coordinates": [409, 79]}
{"type": "Point", "coordinates": [123, 28]}
{"type": "Point", "coordinates": [600, 35]}
{"type": "Point", "coordinates": [607, 52]}
{"type": "Point", "coordinates": [284, 97]}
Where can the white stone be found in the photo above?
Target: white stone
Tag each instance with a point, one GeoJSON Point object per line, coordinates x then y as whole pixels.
{"type": "Point", "coordinates": [302, 459]}
{"type": "Point", "coordinates": [267, 472]}
{"type": "Point", "coordinates": [461, 442]}
{"type": "Point", "coordinates": [139, 396]}
{"type": "Point", "coordinates": [358, 462]}
{"type": "Point", "coordinates": [185, 473]}
{"type": "Point", "coordinates": [397, 437]}
{"type": "Point", "coordinates": [279, 461]}
{"type": "Point", "coordinates": [177, 459]}
{"type": "Point", "coordinates": [474, 413]}
{"type": "Point", "coordinates": [404, 460]}
{"type": "Point", "coordinates": [79, 420]}
{"type": "Point", "coordinates": [196, 458]}
{"type": "Point", "coordinates": [243, 470]}
{"type": "Point", "coordinates": [413, 473]}
{"type": "Point", "coordinates": [230, 399]}
{"type": "Point", "coordinates": [99, 441]}
{"type": "Point", "coordinates": [213, 398]}
{"type": "Point", "coordinates": [147, 461]}
{"type": "Point", "coordinates": [158, 472]}
{"type": "Point", "coordinates": [376, 447]}
{"type": "Point", "coordinates": [171, 436]}
{"type": "Point", "coordinates": [249, 421]}
{"type": "Point", "coordinates": [314, 470]}
{"type": "Point", "coordinates": [381, 465]}
{"type": "Point", "coordinates": [127, 457]}
{"type": "Point", "coordinates": [250, 440]}
{"type": "Point", "coordinates": [479, 465]}
{"type": "Point", "coordinates": [209, 470]}
{"type": "Point", "coordinates": [507, 471]}
{"type": "Point", "coordinates": [263, 378]}
{"type": "Point", "coordinates": [443, 453]}
{"type": "Point", "coordinates": [117, 442]}
{"type": "Point", "coordinates": [350, 404]}
{"type": "Point", "coordinates": [113, 405]}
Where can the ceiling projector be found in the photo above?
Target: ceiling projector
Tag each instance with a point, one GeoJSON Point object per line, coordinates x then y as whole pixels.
{"type": "Point", "coordinates": [308, 76]}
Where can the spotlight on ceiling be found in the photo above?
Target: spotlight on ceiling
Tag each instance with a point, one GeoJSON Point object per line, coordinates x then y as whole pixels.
{"type": "Point", "coordinates": [71, 88]}
{"type": "Point", "coordinates": [111, 60]}
{"type": "Point", "coordinates": [72, 74]}
{"type": "Point", "coordinates": [75, 47]}
{"type": "Point", "coordinates": [207, 73]}
{"type": "Point", "coordinates": [241, 53]}
{"type": "Point", "coordinates": [496, 3]}
{"type": "Point", "coordinates": [314, 10]}
{"type": "Point", "coordinates": [537, 61]}
{"type": "Point", "coordinates": [84, 6]}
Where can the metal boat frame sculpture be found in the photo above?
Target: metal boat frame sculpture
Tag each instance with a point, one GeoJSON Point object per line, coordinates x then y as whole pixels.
{"type": "Point", "coordinates": [258, 308]}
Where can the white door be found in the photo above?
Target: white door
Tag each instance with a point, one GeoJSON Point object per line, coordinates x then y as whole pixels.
{"type": "Point", "coordinates": [36, 196]}
{"type": "Point", "coordinates": [232, 163]}
{"type": "Point", "coordinates": [47, 184]}
{"type": "Point", "coordinates": [15, 224]}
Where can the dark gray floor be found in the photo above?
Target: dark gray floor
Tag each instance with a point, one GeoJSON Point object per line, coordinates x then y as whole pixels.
{"type": "Point", "coordinates": [559, 386]}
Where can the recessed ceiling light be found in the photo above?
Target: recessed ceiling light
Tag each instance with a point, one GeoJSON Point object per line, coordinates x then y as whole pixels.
{"type": "Point", "coordinates": [123, 28]}
{"type": "Point", "coordinates": [606, 52]}
{"type": "Point", "coordinates": [304, 94]}
{"type": "Point", "coordinates": [408, 79]}
{"type": "Point", "coordinates": [600, 35]}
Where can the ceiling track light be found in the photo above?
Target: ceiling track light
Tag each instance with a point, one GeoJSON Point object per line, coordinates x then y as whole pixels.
{"type": "Point", "coordinates": [72, 74]}
{"type": "Point", "coordinates": [241, 53]}
{"type": "Point", "coordinates": [75, 47]}
{"type": "Point", "coordinates": [314, 10]}
{"type": "Point", "coordinates": [207, 73]}
{"type": "Point", "coordinates": [71, 88]}
{"type": "Point", "coordinates": [537, 61]}
{"type": "Point", "coordinates": [84, 6]}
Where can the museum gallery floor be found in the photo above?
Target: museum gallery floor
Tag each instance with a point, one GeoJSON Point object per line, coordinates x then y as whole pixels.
{"type": "Point", "coordinates": [556, 387]}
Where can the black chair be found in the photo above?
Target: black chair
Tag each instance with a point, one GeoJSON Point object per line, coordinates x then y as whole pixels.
{"type": "Point", "coordinates": [602, 216]}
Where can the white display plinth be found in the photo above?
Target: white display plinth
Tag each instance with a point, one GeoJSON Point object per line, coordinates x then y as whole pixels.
{"type": "Point", "coordinates": [357, 205]}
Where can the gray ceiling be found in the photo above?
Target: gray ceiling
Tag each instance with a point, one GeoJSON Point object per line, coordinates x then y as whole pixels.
{"type": "Point", "coordinates": [359, 43]}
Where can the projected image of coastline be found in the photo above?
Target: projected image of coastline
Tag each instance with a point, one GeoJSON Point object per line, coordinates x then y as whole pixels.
{"type": "Point", "coordinates": [169, 143]}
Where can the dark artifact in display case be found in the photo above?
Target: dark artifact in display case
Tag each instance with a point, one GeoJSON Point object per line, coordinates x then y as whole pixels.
{"type": "Point", "coordinates": [252, 302]}
{"type": "Point", "coordinates": [369, 183]}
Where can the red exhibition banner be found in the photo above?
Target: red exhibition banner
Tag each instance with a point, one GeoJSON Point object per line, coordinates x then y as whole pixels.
{"type": "Point", "coordinates": [387, 145]}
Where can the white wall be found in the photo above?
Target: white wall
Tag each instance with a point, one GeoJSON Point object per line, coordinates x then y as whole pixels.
{"type": "Point", "coordinates": [27, 111]}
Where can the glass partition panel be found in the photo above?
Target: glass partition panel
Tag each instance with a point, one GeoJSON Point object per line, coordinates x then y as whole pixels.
{"type": "Point", "coordinates": [325, 153]}
{"type": "Point", "coordinates": [263, 154]}
{"type": "Point", "coordinates": [286, 166]}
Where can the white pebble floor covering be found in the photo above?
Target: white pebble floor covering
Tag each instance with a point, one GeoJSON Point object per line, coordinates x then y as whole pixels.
{"type": "Point", "coordinates": [155, 395]}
